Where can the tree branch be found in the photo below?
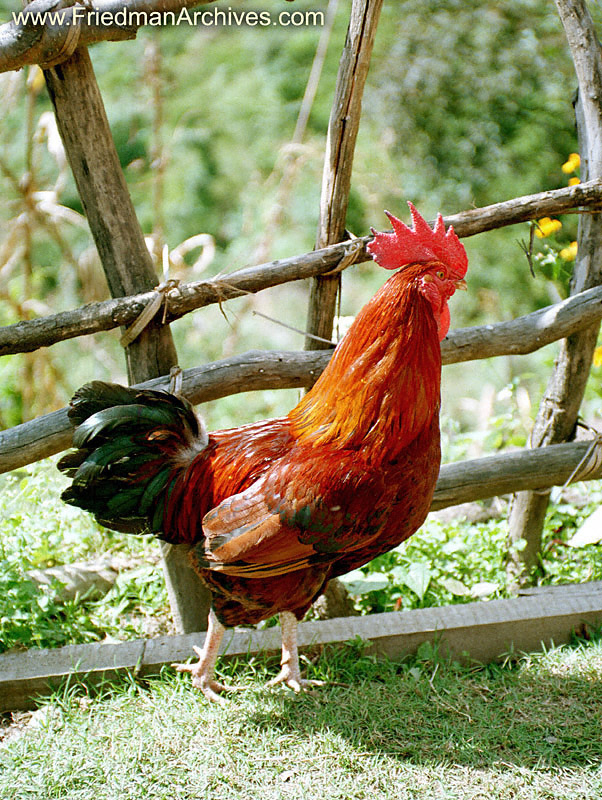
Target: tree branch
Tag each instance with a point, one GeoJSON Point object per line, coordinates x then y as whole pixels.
{"type": "Point", "coordinates": [28, 42]}
{"type": "Point", "coordinates": [536, 469]}
{"type": "Point", "coordinates": [86, 135]}
{"type": "Point", "coordinates": [586, 195]}
{"type": "Point", "coordinates": [51, 433]}
{"type": "Point", "coordinates": [463, 482]}
{"type": "Point", "coordinates": [30, 335]}
{"type": "Point", "coordinates": [260, 369]}
{"type": "Point", "coordinates": [524, 334]}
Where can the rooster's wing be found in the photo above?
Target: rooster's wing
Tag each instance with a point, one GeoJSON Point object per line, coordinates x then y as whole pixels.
{"type": "Point", "coordinates": [304, 511]}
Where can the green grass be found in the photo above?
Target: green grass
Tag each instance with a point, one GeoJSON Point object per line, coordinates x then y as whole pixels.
{"type": "Point", "coordinates": [425, 729]}
{"type": "Point", "coordinates": [38, 530]}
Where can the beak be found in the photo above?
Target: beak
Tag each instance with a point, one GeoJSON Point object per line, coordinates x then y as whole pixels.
{"type": "Point", "coordinates": [462, 285]}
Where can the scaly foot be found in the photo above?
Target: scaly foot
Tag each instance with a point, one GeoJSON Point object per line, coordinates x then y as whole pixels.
{"type": "Point", "coordinates": [202, 672]}
{"type": "Point", "coordinates": [290, 674]}
{"type": "Point", "coordinates": [292, 679]}
{"type": "Point", "coordinates": [202, 678]}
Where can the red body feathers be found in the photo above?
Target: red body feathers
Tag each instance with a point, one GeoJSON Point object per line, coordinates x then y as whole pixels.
{"type": "Point", "coordinates": [273, 509]}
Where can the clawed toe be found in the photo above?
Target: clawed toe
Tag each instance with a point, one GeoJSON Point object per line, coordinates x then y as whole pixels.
{"type": "Point", "coordinates": [210, 688]}
{"type": "Point", "coordinates": [293, 681]}
{"type": "Point", "coordinates": [202, 677]}
{"type": "Point", "coordinates": [202, 672]}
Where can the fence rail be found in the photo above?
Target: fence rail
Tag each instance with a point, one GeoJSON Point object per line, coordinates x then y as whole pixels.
{"type": "Point", "coordinates": [258, 370]}
{"type": "Point", "coordinates": [29, 335]}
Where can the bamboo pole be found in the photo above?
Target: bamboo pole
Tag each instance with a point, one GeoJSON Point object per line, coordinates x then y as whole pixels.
{"type": "Point", "coordinates": [560, 405]}
{"type": "Point", "coordinates": [88, 142]}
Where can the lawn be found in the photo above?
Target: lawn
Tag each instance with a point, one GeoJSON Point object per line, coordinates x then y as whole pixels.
{"type": "Point", "coordinates": [528, 729]}
{"type": "Point", "coordinates": [426, 729]}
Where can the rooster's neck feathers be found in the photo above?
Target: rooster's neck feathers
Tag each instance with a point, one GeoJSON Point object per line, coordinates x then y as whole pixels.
{"type": "Point", "coordinates": [382, 385]}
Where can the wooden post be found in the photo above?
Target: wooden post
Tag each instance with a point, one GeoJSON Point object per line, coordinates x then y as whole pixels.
{"type": "Point", "coordinates": [336, 181]}
{"type": "Point", "coordinates": [560, 405]}
{"type": "Point", "coordinates": [86, 135]}
{"type": "Point", "coordinates": [340, 145]}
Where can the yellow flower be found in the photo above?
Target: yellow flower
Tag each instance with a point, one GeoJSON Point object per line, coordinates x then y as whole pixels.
{"type": "Point", "coordinates": [598, 357]}
{"type": "Point", "coordinates": [574, 181]}
{"type": "Point", "coordinates": [572, 164]}
{"type": "Point", "coordinates": [547, 226]}
{"type": "Point", "coordinates": [569, 253]}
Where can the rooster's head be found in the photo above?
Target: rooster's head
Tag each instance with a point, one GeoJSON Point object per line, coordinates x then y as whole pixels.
{"type": "Point", "coordinates": [439, 254]}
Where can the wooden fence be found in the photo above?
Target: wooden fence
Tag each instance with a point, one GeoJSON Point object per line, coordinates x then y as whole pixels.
{"type": "Point", "coordinates": [88, 143]}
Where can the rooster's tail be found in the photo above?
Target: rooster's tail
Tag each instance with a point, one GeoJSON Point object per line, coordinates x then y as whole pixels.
{"type": "Point", "coordinates": [131, 447]}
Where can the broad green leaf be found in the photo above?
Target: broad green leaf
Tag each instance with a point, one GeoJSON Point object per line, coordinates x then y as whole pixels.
{"type": "Point", "coordinates": [455, 587]}
{"type": "Point", "coordinates": [399, 575]}
{"type": "Point", "coordinates": [357, 583]}
{"type": "Point", "coordinates": [590, 532]}
{"type": "Point", "coordinates": [418, 578]}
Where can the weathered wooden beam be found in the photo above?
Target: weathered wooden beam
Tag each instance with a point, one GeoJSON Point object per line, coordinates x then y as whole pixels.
{"type": "Point", "coordinates": [86, 135]}
{"type": "Point", "coordinates": [343, 127]}
{"type": "Point", "coordinates": [466, 481]}
{"type": "Point", "coordinates": [585, 196]}
{"type": "Point", "coordinates": [491, 476]}
{"type": "Point", "coordinates": [250, 371]}
{"type": "Point", "coordinates": [524, 334]}
{"type": "Point", "coordinates": [559, 408]}
{"type": "Point", "coordinates": [485, 631]}
{"type": "Point", "coordinates": [180, 300]}
{"type": "Point", "coordinates": [33, 40]}
{"type": "Point", "coordinates": [103, 316]}
{"type": "Point", "coordinates": [49, 434]}
{"type": "Point", "coordinates": [89, 145]}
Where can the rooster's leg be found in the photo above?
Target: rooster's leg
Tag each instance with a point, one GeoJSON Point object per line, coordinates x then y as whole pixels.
{"type": "Point", "coordinates": [203, 671]}
{"type": "Point", "coordinates": [290, 674]}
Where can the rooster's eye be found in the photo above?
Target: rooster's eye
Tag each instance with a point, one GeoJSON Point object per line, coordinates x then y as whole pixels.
{"type": "Point", "coordinates": [440, 274]}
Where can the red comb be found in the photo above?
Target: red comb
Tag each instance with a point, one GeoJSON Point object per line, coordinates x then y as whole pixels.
{"type": "Point", "coordinates": [418, 244]}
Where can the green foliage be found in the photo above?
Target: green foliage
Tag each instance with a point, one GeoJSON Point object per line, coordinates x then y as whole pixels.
{"type": "Point", "coordinates": [466, 103]}
{"type": "Point", "coordinates": [458, 562]}
{"type": "Point", "coordinates": [38, 531]}
{"type": "Point", "coordinates": [441, 564]}
{"type": "Point", "coordinates": [482, 113]}
{"type": "Point", "coordinates": [445, 562]}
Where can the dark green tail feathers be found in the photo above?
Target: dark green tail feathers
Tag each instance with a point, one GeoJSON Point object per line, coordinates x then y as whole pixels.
{"type": "Point", "coordinates": [131, 445]}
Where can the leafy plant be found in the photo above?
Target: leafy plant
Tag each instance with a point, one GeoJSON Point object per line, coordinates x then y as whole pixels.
{"type": "Point", "coordinates": [459, 562]}
{"type": "Point", "coordinates": [37, 531]}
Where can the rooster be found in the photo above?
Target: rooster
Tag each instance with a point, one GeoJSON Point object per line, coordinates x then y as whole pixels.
{"type": "Point", "coordinates": [272, 510]}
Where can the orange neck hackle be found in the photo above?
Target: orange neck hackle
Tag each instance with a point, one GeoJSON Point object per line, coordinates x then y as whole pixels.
{"type": "Point", "coordinates": [381, 387]}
